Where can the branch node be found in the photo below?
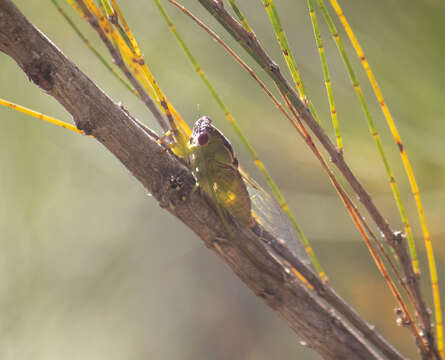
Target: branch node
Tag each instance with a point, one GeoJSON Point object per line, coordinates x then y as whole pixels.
{"type": "Point", "coordinates": [219, 5]}
{"type": "Point", "coordinates": [178, 189]}
{"type": "Point", "coordinates": [40, 73]}
{"type": "Point", "coordinates": [86, 126]}
{"type": "Point", "coordinates": [274, 68]}
{"type": "Point", "coordinates": [401, 319]}
{"type": "Point", "coordinates": [337, 157]}
{"type": "Point", "coordinates": [397, 239]}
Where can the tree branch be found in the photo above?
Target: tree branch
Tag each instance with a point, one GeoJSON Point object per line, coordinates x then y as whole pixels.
{"type": "Point", "coordinates": [157, 169]}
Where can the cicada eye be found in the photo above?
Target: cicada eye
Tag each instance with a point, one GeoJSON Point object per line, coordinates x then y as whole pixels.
{"type": "Point", "coordinates": [203, 139]}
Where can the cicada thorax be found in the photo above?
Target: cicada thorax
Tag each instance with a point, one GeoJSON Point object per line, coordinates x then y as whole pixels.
{"type": "Point", "coordinates": [216, 169]}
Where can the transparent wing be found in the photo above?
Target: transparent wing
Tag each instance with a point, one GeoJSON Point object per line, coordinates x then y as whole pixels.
{"type": "Point", "coordinates": [268, 213]}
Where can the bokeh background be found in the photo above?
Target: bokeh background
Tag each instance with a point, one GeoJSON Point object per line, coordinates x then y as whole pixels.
{"type": "Point", "coordinates": [92, 268]}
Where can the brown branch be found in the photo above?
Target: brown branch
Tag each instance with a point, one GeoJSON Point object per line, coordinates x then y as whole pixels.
{"type": "Point", "coordinates": [137, 149]}
{"type": "Point", "coordinates": [250, 43]}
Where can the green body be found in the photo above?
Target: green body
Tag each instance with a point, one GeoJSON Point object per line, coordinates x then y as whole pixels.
{"type": "Point", "coordinates": [216, 168]}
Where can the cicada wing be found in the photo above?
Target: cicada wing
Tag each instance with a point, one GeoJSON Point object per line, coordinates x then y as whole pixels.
{"type": "Point", "coordinates": [268, 213]}
{"type": "Point", "coordinates": [230, 192]}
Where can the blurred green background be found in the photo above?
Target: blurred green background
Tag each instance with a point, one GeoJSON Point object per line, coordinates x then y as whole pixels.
{"type": "Point", "coordinates": [92, 268]}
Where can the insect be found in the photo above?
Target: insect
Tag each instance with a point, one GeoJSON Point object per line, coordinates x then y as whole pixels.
{"type": "Point", "coordinates": [222, 180]}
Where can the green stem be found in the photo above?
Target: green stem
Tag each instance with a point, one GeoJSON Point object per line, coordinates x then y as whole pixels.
{"type": "Point", "coordinates": [373, 131]}
{"type": "Point", "coordinates": [326, 76]}
{"type": "Point", "coordinates": [287, 53]}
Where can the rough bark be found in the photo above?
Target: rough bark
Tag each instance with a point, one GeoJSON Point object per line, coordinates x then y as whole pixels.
{"type": "Point", "coordinates": [137, 149]}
